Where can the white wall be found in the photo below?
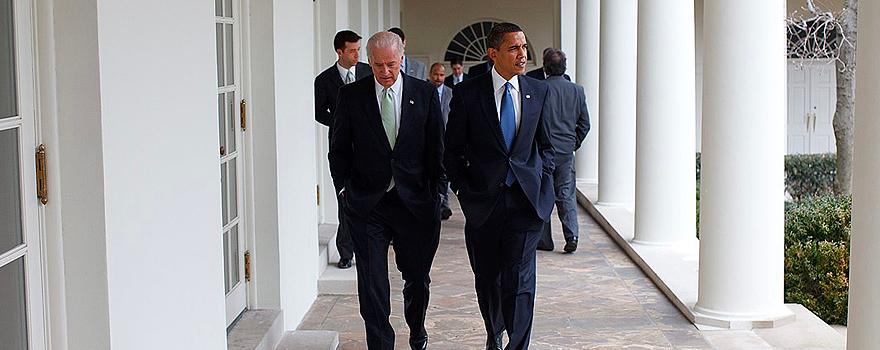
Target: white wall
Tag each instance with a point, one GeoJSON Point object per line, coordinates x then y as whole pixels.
{"type": "Point", "coordinates": [294, 118]}
{"type": "Point", "coordinates": [162, 180]}
{"type": "Point", "coordinates": [430, 25]}
{"type": "Point", "coordinates": [76, 235]}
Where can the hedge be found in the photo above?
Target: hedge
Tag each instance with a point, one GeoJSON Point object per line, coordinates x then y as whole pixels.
{"type": "Point", "coordinates": [817, 232]}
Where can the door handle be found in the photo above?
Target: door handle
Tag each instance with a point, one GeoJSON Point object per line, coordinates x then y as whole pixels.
{"type": "Point", "coordinates": [814, 122]}
{"type": "Point", "coordinates": [807, 121]}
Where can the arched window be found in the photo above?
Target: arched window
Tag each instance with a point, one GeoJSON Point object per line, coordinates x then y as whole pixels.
{"type": "Point", "coordinates": [470, 44]}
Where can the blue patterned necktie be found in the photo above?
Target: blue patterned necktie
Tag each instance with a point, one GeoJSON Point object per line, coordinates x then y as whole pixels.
{"type": "Point", "coordinates": [508, 127]}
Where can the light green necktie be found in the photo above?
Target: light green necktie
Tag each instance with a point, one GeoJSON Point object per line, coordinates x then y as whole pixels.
{"type": "Point", "coordinates": [388, 119]}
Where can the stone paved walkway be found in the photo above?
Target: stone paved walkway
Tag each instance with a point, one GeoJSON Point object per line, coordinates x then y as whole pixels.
{"type": "Point", "coordinates": [595, 298]}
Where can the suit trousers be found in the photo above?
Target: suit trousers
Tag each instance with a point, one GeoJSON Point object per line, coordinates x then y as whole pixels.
{"type": "Point", "coordinates": [502, 257]}
{"type": "Point", "coordinates": [415, 243]}
{"type": "Point", "coordinates": [566, 201]}
{"type": "Point", "coordinates": [343, 235]}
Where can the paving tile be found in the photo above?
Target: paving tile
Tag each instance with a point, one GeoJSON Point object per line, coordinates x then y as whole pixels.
{"type": "Point", "coordinates": [596, 298]}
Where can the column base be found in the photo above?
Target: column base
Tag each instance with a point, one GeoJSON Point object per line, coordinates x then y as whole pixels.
{"type": "Point", "coordinates": [706, 319]}
{"type": "Point", "coordinates": [661, 243]}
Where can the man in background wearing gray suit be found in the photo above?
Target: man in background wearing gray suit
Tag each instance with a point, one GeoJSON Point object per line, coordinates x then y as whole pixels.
{"type": "Point", "coordinates": [438, 77]}
{"type": "Point", "coordinates": [410, 66]}
{"type": "Point", "coordinates": [568, 124]}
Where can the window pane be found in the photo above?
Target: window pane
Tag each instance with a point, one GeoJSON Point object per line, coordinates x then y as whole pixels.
{"type": "Point", "coordinates": [10, 192]}
{"type": "Point", "coordinates": [225, 193]}
{"type": "Point", "coordinates": [218, 9]}
{"type": "Point", "coordinates": [8, 99]}
{"type": "Point", "coordinates": [233, 190]}
{"type": "Point", "coordinates": [221, 111]}
{"type": "Point", "coordinates": [13, 312]}
{"type": "Point", "coordinates": [228, 8]}
{"type": "Point", "coordinates": [220, 65]}
{"type": "Point", "coordinates": [233, 256]}
{"type": "Point", "coordinates": [226, 262]}
{"type": "Point", "coordinates": [230, 62]}
{"type": "Point", "coordinates": [230, 122]}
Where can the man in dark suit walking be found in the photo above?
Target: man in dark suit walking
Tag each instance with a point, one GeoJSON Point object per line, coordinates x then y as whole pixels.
{"type": "Point", "coordinates": [346, 70]}
{"type": "Point", "coordinates": [436, 77]}
{"type": "Point", "coordinates": [540, 73]}
{"type": "Point", "coordinates": [458, 75]}
{"type": "Point", "coordinates": [568, 124]}
{"type": "Point", "coordinates": [499, 160]}
{"type": "Point", "coordinates": [386, 160]}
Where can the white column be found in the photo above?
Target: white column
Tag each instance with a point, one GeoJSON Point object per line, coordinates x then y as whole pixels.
{"type": "Point", "coordinates": [864, 310]}
{"type": "Point", "coordinates": [617, 96]}
{"type": "Point", "coordinates": [377, 16]}
{"type": "Point", "coordinates": [587, 158]}
{"type": "Point", "coordinates": [665, 175]}
{"type": "Point", "coordinates": [568, 35]}
{"type": "Point", "coordinates": [393, 13]}
{"type": "Point", "coordinates": [741, 237]}
{"type": "Point", "coordinates": [359, 20]}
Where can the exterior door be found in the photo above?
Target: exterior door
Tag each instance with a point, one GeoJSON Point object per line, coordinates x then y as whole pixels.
{"type": "Point", "coordinates": [231, 162]}
{"type": "Point", "coordinates": [21, 270]}
{"type": "Point", "coordinates": [812, 97]}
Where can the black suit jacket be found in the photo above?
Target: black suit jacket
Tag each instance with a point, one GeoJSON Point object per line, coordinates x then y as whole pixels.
{"type": "Point", "coordinates": [448, 81]}
{"type": "Point", "coordinates": [327, 86]}
{"type": "Point", "coordinates": [477, 159]}
{"type": "Point", "coordinates": [481, 68]}
{"type": "Point", "coordinates": [538, 73]}
{"type": "Point", "coordinates": [363, 163]}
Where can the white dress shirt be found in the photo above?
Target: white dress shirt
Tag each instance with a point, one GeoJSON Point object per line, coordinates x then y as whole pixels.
{"type": "Point", "coordinates": [457, 78]}
{"type": "Point", "coordinates": [440, 91]}
{"type": "Point", "coordinates": [498, 84]}
{"type": "Point", "coordinates": [397, 92]}
{"type": "Point", "coordinates": [344, 72]}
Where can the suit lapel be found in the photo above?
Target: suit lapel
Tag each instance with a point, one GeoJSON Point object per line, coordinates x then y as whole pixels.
{"type": "Point", "coordinates": [374, 117]}
{"type": "Point", "coordinates": [334, 74]}
{"type": "Point", "coordinates": [405, 108]}
{"type": "Point", "coordinates": [527, 120]}
{"type": "Point", "coordinates": [487, 100]}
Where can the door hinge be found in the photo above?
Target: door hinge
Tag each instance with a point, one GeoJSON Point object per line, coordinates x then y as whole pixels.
{"type": "Point", "coordinates": [247, 266]}
{"type": "Point", "coordinates": [318, 193]}
{"type": "Point", "coordinates": [42, 181]}
{"type": "Point", "coordinates": [243, 109]}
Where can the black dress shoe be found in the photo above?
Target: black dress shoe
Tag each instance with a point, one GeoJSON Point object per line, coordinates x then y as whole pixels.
{"type": "Point", "coordinates": [418, 344]}
{"type": "Point", "coordinates": [344, 263]}
{"type": "Point", "coordinates": [494, 343]}
{"type": "Point", "coordinates": [571, 246]}
{"type": "Point", "coordinates": [445, 213]}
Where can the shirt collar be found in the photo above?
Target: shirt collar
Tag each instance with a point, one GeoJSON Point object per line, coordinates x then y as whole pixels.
{"type": "Point", "coordinates": [396, 88]}
{"type": "Point", "coordinates": [498, 81]}
{"type": "Point", "coordinates": [343, 72]}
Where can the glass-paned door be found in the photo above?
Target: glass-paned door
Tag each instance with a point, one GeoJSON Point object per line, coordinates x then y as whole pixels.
{"type": "Point", "coordinates": [230, 154]}
{"type": "Point", "coordinates": [21, 301]}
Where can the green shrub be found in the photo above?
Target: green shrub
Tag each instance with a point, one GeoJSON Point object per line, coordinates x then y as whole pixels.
{"type": "Point", "coordinates": [809, 175]}
{"type": "Point", "coordinates": [817, 255]}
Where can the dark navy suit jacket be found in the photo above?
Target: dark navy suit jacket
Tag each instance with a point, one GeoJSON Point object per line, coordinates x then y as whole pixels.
{"type": "Point", "coordinates": [476, 158]}
{"type": "Point", "coordinates": [363, 162]}
{"type": "Point", "coordinates": [327, 86]}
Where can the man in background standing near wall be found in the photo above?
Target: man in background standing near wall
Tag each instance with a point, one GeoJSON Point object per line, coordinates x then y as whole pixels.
{"type": "Point", "coordinates": [437, 77]}
{"type": "Point", "coordinates": [346, 70]}
{"type": "Point", "coordinates": [458, 74]}
{"type": "Point", "coordinates": [540, 73]}
{"type": "Point", "coordinates": [568, 123]}
{"type": "Point", "coordinates": [410, 66]}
